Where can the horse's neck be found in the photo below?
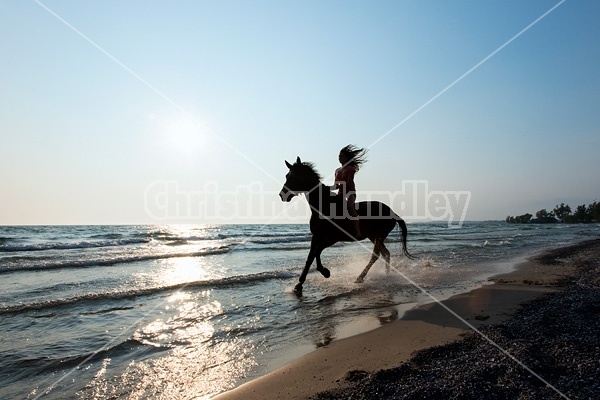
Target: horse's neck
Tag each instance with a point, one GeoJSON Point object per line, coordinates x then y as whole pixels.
{"type": "Point", "coordinates": [319, 198]}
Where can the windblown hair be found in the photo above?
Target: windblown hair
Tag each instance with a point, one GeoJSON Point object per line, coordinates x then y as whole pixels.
{"type": "Point", "coordinates": [356, 156]}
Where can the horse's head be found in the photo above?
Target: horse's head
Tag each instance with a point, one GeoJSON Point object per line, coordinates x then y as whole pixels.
{"type": "Point", "coordinates": [301, 178]}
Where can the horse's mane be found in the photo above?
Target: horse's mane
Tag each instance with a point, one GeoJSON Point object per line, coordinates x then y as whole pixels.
{"type": "Point", "coordinates": [309, 170]}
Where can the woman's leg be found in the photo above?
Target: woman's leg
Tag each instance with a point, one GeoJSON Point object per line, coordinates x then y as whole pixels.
{"type": "Point", "coordinates": [354, 215]}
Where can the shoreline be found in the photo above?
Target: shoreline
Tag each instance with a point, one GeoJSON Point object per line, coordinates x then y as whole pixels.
{"type": "Point", "coordinates": [345, 363]}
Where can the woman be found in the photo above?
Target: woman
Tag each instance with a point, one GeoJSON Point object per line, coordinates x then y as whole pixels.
{"type": "Point", "coordinates": [352, 158]}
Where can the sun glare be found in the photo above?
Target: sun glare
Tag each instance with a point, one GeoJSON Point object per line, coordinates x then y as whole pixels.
{"type": "Point", "coordinates": [182, 270]}
{"type": "Point", "coordinates": [184, 136]}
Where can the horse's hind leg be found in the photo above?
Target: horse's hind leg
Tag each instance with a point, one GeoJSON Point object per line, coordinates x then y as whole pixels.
{"type": "Point", "coordinates": [374, 257]}
{"type": "Point", "coordinates": [386, 256]}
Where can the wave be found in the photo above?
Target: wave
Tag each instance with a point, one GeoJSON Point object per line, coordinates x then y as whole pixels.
{"type": "Point", "coordinates": [111, 261]}
{"type": "Point", "coordinates": [275, 248]}
{"type": "Point", "coordinates": [166, 238]}
{"type": "Point", "coordinates": [178, 243]}
{"type": "Point", "coordinates": [107, 236]}
{"type": "Point", "coordinates": [51, 365]}
{"type": "Point", "coordinates": [67, 246]}
{"type": "Point", "coordinates": [106, 310]}
{"type": "Point", "coordinates": [488, 243]}
{"type": "Point", "coordinates": [176, 238]}
{"type": "Point", "coordinates": [262, 235]}
{"type": "Point", "coordinates": [275, 240]}
{"type": "Point", "coordinates": [161, 236]}
{"type": "Point", "coordinates": [219, 283]}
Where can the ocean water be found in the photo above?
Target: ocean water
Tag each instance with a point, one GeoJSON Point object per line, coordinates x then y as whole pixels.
{"type": "Point", "coordinates": [190, 311]}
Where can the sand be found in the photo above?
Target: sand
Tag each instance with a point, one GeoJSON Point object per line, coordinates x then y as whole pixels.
{"type": "Point", "coordinates": [402, 359]}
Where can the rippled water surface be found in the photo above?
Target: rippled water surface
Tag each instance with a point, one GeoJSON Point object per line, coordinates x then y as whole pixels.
{"type": "Point", "coordinates": [191, 311]}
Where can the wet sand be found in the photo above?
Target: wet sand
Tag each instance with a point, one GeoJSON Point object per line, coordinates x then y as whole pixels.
{"type": "Point", "coordinates": [447, 349]}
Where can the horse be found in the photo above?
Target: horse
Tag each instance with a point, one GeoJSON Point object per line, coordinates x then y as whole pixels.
{"type": "Point", "coordinates": [330, 221]}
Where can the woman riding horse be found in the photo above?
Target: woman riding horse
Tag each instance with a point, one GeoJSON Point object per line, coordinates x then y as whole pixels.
{"type": "Point", "coordinates": [329, 223]}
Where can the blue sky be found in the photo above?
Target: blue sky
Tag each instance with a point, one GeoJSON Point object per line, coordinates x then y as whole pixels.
{"type": "Point", "coordinates": [216, 95]}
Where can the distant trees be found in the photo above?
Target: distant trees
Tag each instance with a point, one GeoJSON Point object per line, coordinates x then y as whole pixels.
{"type": "Point", "coordinates": [544, 217]}
{"type": "Point", "coordinates": [584, 214]}
{"type": "Point", "coordinates": [580, 213]}
{"type": "Point", "coordinates": [519, 219]}
{"type": "Point", "coordinates": [561, 213]}
{"type": "Point", "coordinates": [595, 211]}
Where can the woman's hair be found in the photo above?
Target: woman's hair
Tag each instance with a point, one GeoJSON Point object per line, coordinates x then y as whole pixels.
{"type": "Point", "coordinates": [356, 156]}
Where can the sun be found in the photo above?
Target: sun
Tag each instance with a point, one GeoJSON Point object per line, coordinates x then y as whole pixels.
{"type": "Point", "coordinates": [185, 136]}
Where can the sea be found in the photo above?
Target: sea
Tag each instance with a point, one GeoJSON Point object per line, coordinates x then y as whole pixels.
{"type": "Point", "coordinates": [191, 311]}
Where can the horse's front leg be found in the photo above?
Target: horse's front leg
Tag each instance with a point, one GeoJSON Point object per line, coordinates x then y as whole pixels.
{"type": "Point", "coordinates": [309, 261]}
{"type": "Point", "coordinates": [315, 252]}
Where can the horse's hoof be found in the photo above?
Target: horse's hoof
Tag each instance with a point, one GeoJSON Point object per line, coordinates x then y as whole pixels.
{"type": "Point", "coordinates": [325, 272]}
{"type": "Point", "coordinates": [298, 289]}
{"type": "Point", "coordinates": [360, 279]}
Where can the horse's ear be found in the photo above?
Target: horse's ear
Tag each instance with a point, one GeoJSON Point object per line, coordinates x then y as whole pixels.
{"type": "Point", "coordinates": [298, 160]}
{"type": "Point", "coordinates": [288, 164]}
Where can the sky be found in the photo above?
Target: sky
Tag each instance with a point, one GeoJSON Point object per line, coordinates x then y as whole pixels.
{"type": "Point", "coordinates": [144, 112]}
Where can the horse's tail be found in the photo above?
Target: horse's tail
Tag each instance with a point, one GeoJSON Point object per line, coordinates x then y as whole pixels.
{"type": "Point", "coordinates": [402, 225]}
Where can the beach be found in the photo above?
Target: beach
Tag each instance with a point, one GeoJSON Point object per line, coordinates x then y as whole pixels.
{"type": "Point", "coordinates": [533, 333]}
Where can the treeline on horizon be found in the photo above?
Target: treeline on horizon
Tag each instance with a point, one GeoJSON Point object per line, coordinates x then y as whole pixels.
{"type": "Point", "coordinates": [561, 214]}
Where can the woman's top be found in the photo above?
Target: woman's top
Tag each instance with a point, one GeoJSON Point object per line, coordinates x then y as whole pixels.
{"type": "Point", "coordinates": [344, 179]}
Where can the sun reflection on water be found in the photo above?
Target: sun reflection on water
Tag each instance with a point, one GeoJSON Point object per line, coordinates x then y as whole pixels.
{"type": "Point", "coordinates": [181, 353]}
{"type": "Point", "coordinates": [182, 270]}
{"type": "Point", "coordinates": [197, 363]}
